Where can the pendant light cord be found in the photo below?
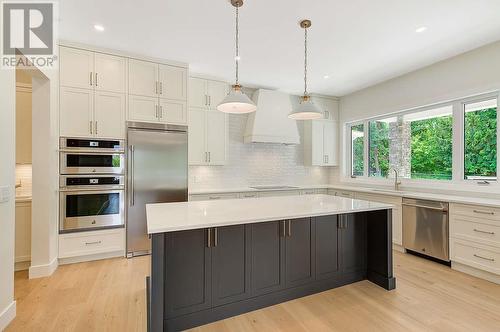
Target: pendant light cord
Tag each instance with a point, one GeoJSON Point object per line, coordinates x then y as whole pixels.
{"type": "Point", "coordinates": [305, 61]}
{"type": "Point", "coordinates": [237, 40]}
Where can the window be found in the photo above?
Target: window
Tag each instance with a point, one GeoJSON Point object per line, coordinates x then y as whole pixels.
{"type": "Point", "coordinates": [379, 149]}
{"type": "Point", "coordinates": [480, 140]}
{"type": "Point", "coordinates": [419, 144]}
{"type": "Point", "coordinates": [358, 150]}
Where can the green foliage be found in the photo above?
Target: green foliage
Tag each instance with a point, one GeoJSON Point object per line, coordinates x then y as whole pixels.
{"type": "Point", "coordinates": [358, 151]}
{"type": "Point", "coordinates": [431, 148]}
{"type": "Point", "coordinates": [481, 143]}
{"type": "Point", "coordinates": [379, 149]}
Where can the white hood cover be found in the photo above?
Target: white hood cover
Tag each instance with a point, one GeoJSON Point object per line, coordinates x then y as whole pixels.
{"type": "Point", "coordinates": [270, 123]}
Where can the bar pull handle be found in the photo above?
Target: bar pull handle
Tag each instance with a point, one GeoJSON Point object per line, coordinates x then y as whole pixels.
{"type": "Point", "coordinates": [90, 78]}
{"type": "Point", "coordinates": [95, 124]}
{"type": "Point", "coordinates": [214, 197]}
{"type": "Point", "coordinates": [161, 111]}
{"type": "Point", "coordinates": [209, 100]}
{"type": "Point", "coordinates": [209, 237]}
{"type": "Point", "coordinates": [209, 157]}
{"type": "Point", "coordinates": [94, 242]}
{"type": "Point", "coordinates": [283, 228]}
{"type": "Point", "coordinates": [161, 88]}
{"type": "Point", "coordinates": [132, 189]}
{"type": "Point", "coordinates": [90, 126]}
{"type": "Point", "coordinates": [289, 228]}
{"type": "Point", "coordinates": [95, 79]}
{"type": "Point", "coordinates": [485, 258]}
{"type": "Point", "coordinates": [491, 213]}
{"type": "Point", "coordinates": [485, 232]}
{"type": "Point", "coordinates": [216, 237]}
{"type": "Point", "coordinates": [156, 87]}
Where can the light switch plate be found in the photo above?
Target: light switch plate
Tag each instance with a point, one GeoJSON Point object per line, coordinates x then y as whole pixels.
{"type": "Point", "coordinates": [4, 194]}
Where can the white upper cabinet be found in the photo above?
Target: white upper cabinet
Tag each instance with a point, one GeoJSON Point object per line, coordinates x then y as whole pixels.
{"type": "Point", "coordinates": [76, 68]}
{"type": "Point", "coordinates": [206, 93]}
{"type": "Point", "coordinates": [321, 136]}
{"type": "Point", "coordinates": [197, 151]}
{"type": "Point", "coordinates": [92, 101]}
{"type": "Point", "coordinates": [76, 112]}
{"type": "Point", "coordinates": [216, 137]}
{"type": "Point", "coordinates": [172, 82]}
{"type": "Point", "coordinates": [216, 92]}
{"type": "Point", "coordinates": [173, 111]}
{"type": "Point", "coordinates": [144, 109]}
{"type": "Point", "coordinates": [109, 114]}
{"type": "Point", "coordinates": [143, 78]}
{"type": "Point", "coordinates": [110, 73]}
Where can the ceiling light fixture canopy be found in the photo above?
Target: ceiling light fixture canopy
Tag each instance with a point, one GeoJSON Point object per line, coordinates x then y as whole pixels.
{"type": "Point", "coordinates": [236, 102]}
{"type": "Point", "coordinates": [306, 110]}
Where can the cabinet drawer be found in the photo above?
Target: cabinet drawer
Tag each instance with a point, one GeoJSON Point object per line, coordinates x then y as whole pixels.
{"type": "Point", "coordinates": [279, 193]}
{"type": "Point", "coordinates": [475, 255]}
{"type": "Point", "coordinates": [213, 197]}
{"type": "Point", "coordinates": [475, 211]}
{"type": "Point", "coordinates": [380, 198]}
{"type": "Point", "coordinates": [90, 243]}
{"type": "Point", "coordinates": [475, 231]}
{"type": "Point", "coordinates": [249, 195]}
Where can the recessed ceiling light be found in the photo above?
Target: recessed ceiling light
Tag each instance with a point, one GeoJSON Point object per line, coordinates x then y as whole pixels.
{"type": "Point", "coordinates": [98, 27]}
{"type": "Point", "coordinates": [326, 77]}
{"type": "Point", "coordinates": [421, 29]}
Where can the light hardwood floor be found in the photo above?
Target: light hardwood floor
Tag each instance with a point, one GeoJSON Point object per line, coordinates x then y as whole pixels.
{"type": "Point", "coordinates": [109, 296]}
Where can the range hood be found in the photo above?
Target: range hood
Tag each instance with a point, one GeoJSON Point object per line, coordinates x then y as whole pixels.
{"type": "Point", "coordinates": [270, 123]}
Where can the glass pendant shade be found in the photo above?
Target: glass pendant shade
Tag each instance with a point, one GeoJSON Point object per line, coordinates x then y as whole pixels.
{"type": "Point", "coordinates": [306, 110]}
{"type": "Point", "coordinates": [236, 102]}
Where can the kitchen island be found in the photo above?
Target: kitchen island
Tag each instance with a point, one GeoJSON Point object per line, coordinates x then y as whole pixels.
{"type": "Point", "coordinates": [215, 259]}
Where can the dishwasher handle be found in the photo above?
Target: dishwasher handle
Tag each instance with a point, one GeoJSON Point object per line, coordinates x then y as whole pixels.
{"type": "Point", "coordinates": [444, 210]}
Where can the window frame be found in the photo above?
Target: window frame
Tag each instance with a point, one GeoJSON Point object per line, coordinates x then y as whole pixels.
{"type": "Point", "coordinates": [458, 147]}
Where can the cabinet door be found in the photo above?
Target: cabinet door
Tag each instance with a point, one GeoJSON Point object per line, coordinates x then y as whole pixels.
{"type": "Point", "coordinates": [216, 137]}
{"type": "Point", "coordinates": [142, 108]}
{"type": "Point", "coordinates": [76, 68]}
{"type": "Point", "coordinates": [197, 93]}
{"type": "Point", "coordinates": [110, 73]}
{"type": "Point", "coordinates": [328, 106]}
{"type": "Point", "coordinates": [23, 232]}
{"type": "Point", "coordinates": [109, 114]}
{"type": "Point", "coordinates": [188, 272]}
{"type": "Point", "coordinates": [330, 142]}
{"type": "Point", "coordinates": [142, 78]}
{"type": "Point", "coordinates": [317, 139]}
{"type": "Point", "coordinates": [299, 252]}
{"type": "Point", "coordinates": [173, 112]}
{"type": "Point", "coordinates": [216, 91]}
{"type": "Point", "coordinates": [173, 82]}
{"type": "Point", "coordinates": [230, 265]}
{"type": "Point", "coordinates": [75, 112]}
{"type": "Point", "coordinates": [197, 137]}
{"type": "Point", "coordinates": [327, 247]}
{"type": "Point", "coordinates": [353, 242]}
{"type": "Point", "coordinates": [24, 126]}
{"type": "Point", "coordinates": [268, 254]}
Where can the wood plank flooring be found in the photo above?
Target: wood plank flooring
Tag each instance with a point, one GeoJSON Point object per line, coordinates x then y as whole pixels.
{"type": "Point", "coordinates": [109, 295]}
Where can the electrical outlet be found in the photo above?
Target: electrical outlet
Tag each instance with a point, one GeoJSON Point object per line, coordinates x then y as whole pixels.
{"type": "Point", "coordinates": [4, 194]}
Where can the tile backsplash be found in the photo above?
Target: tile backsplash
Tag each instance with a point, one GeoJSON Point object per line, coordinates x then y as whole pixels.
{"type": "Point", "coordinates": [24, 178]}
{"type": "Point", "coordinates": [257, 164]}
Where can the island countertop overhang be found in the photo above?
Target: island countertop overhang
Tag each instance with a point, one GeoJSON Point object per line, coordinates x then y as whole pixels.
{"type": "Point", "coordinates": [171, 217]}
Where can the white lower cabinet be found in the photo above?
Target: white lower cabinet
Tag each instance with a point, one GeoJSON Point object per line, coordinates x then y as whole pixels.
{"type": "Point", "coordinates": [92, 243]}
{"type": "Point", "coordinates": [475, 237]}
{"type": "Point", "coordinates": [23, 235]}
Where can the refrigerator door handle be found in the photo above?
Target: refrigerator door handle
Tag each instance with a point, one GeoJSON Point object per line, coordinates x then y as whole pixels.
{"type": "Point", "coordinates": [132, 191]}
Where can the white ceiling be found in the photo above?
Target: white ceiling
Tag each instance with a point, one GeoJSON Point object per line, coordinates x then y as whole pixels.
{"type": "Point", "coordinates": [357, 43]}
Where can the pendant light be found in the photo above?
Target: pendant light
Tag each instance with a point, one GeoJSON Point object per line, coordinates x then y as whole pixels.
{"type": "Point", "coordinates": [306, 109]}
{"type": "Point", "coordinates": [236, 101]}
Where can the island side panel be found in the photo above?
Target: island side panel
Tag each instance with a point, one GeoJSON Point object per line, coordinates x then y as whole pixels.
{"type": "Point", "coordinates": [157, 282]}
{"type": "Point", "coordinates": [379, 249]}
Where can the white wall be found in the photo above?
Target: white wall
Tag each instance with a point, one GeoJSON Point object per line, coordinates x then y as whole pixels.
{"type": "Point", "coordinates": [471, 73]}
{"type": "Point", "coordinates": [467, 74]}
{"type": "Point", "coordinates": [7, 210]}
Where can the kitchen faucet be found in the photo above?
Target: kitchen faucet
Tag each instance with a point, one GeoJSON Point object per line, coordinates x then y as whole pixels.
{"type": "Point", "coordinates": [396, 181]}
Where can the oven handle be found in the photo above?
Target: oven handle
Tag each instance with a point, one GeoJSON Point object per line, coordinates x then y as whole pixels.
{"type": "Point", "coordinates": [444, 210]}
{"type": "Point", "coordinates": [132, 191]}
{"type": "Point", "coordinates": [90, 151]}
{"type": "Point", "coordinates": [101, 188]}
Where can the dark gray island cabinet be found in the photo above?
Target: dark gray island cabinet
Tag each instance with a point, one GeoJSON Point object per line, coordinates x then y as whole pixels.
{"type": "Point", "coordinates": [207, 274]}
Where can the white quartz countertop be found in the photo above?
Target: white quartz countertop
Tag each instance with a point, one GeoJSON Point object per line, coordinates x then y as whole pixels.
{"type": "Point", "coordinates": [250, 189]}
{"type": "Point", "coordinates": [169, 217]}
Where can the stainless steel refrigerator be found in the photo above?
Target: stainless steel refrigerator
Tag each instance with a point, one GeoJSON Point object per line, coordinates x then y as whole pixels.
{"type": "Point", "coordinates": [157, 172]}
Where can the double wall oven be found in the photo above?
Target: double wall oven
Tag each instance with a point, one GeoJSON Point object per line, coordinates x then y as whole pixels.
{"type": "Point", "coordinates": [92, 184]}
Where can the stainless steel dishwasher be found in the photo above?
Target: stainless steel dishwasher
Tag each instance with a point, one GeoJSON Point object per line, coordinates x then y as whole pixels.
{"type": "Point", "coordinates": [426, 228]}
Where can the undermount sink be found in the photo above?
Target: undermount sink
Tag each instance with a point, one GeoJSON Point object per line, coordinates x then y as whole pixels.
{"type": "Point", "coordinates": [273, 187]}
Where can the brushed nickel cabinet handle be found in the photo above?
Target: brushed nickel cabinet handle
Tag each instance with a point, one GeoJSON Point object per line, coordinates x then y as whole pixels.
{"type": "Point", "coordinates": [289, 228]}
{"type": "Point", "coordinates": [95, 79]}
{"type": "Point", "coordinates": [484, 212]}
{"type": "Point", "coordinates": [209, 157]}
{"type": "Point", "coordinates": [209, 100]}
{"type": "Point", "coordinates": [214, 197]}
{"type": "Point", "coordinates": [94, 242]}
{"type": "Point", "coordinates": [90, 127]}
{"type": "Point", "coordinates": [283, 228]}
{"type": "Point", "coordinates": [485, 232]}
{"type": "Point", "coordinates": [90, 79]}
{"type": "Point", "coordinates": [485, 258]}
{"type": "Point", "coordinates": [209, 237]}
{"type": "Point", "coordinates": [95, 124]}
{"type": "Point", "coordinates": [216, 237]}
{"type": "Point", "coordinates": [161, 88]}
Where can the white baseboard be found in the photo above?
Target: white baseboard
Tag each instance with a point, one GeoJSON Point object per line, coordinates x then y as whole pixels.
{"type": "Point", "coordinates": [88, 258]}
{"type": "Point", "coordinates": [397, 247]}
{"type": "Point", "coordinates": [39, 271]}
{"type": "Point", "coordinates": [21, 266]}
{"type": "Point", "coordinates": [7, 315]}
{"type": "Point", "coordinates": [476, 272]}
